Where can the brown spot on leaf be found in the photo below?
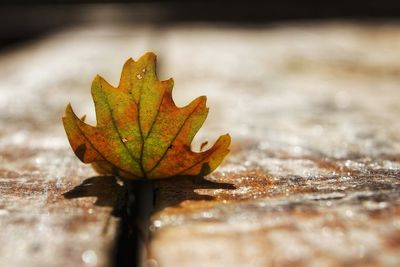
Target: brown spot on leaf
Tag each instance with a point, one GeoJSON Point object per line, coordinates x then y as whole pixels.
{"type": "Point", "coordinates": [80, 151]}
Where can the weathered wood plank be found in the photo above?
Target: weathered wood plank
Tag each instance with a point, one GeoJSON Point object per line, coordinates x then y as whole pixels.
{"type": "Point", "coordinates": [39, 226]}
{"type": "Point", "coordinates": [313, 111]}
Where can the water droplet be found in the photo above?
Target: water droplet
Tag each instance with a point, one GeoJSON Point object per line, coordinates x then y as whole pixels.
{"type": "Point", "coordinates": [144, 70]}
{"type": "Point", "coordinates": [383, 205]}
{"type": "Point", "coordinates": [157, 223]}
{"type": "Point", "coordinates": [207, 215]}
{"type": "Point", "coordinates": [349, 213]}
{"type": "Point", "coordinates": [89, 257]}
{"type": "Point", "coordinates": [4, 212]}
{"type": "Point", "coordinates": [39, 160]}
{"type": "Point", "coordinates": [124, 140]}
{"type": "Point", "coordinates": [84, 236]}
{"type": "Point", "coordinates": [139, 76]}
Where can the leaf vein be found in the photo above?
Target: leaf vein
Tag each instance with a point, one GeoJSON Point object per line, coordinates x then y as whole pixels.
{"type": "Point", "coordinates": [154, 121]}
{"type": "Point", "coordinates": [140, 132]}
{"type": "Point", "coordinates": [193, 165]}
{"type": "Point", "coordinates": [114, 124]}
{"type": "Point", "coordinates": [94, 147]}
{"type": "Point", "coordinates": [173, 140]}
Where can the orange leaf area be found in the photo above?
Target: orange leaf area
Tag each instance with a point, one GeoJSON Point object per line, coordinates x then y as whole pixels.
{"type": "Point", "coordinates": [140, 132]}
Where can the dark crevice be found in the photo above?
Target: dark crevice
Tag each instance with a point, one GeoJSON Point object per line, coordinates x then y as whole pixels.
{"type": "Point", "coordinates": [130, 249]}
{"type": "Point", "coordinates": [134, 202]}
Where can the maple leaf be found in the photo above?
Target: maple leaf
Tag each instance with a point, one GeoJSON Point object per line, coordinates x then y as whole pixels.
{"type": "Point", "coordinates": [140, 132]}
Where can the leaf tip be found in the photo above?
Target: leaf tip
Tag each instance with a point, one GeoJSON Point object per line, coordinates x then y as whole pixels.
{"type": "Point", "coordinates": [168, 84]}
{"type": "Point", "coordinates": [97, 78]}
{"type": "Point", "coordinates": [68, 110]}
{"type": "Point", "coordinates": [149, 55]}
{"type": "Point", "coordinates": [226, 141]}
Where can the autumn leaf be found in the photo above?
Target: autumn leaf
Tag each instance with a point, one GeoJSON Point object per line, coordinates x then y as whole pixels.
{"type": "Point", "coordinates": [140, 132]}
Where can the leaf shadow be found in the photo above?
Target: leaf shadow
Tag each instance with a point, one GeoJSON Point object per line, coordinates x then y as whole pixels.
{"type": "Point", "coordinates": [106, 189]}
{"type": "Point", "coordinates": [167, 193]}
{"type": "Point", "coordinates": [173, 191]}
{"type": "Point", "coordinates": [135, 214]}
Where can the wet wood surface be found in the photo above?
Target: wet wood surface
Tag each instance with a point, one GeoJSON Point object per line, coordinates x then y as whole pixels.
{"type": "Point", "coordinates": [312, 178]}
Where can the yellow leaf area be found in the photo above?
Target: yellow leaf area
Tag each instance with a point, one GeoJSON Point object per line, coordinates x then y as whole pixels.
{"type": "Point", "coordinates": [140, 132]}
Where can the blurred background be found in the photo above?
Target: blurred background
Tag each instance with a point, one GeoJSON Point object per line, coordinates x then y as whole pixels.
{"type": "Point", "coordinates": [23, 20]}
{"type": "Point", "coordinates": [299, 46]}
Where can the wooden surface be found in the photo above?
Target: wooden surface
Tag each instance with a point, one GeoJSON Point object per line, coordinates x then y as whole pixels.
{"type": "Point", "coordinates": [312, 179]}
